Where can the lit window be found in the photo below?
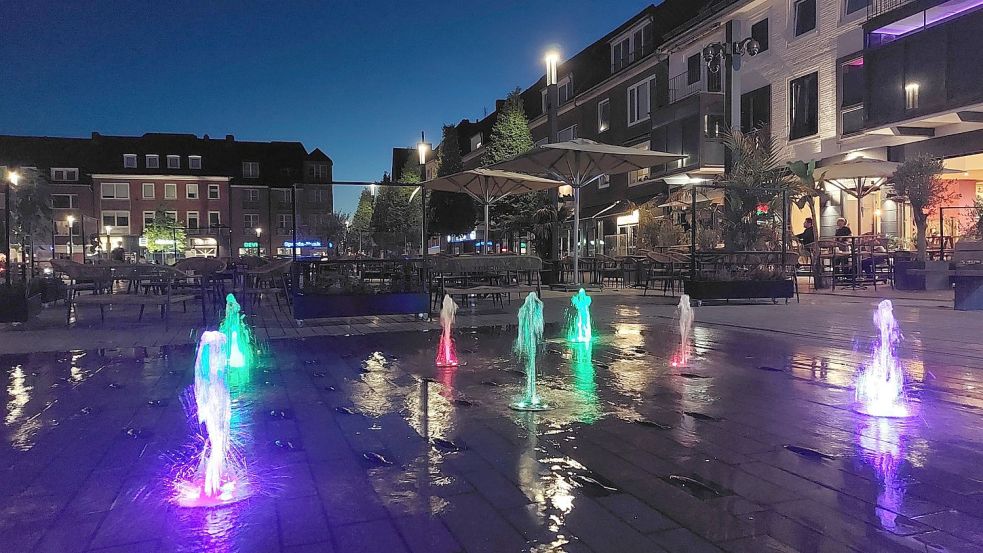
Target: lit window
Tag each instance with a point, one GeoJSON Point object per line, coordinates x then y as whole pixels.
{"type": "Point", "coordinates": [639, 175]}
{"type": "Point", "coordinates": [173, 162]}
{"type": "Point", "coordinates": [192, 191]}
{"type": "Point", "coordinates": [194, 162]}
{"type": "Point", "coordinates": [130, 161]}
{"type": "Point", "coordinates": [603, 115]}
{"type": "Point", "coordinates": [170, 191]}
{"type": "Point", "coordinates": [911, 96]}
{"type": "Point", "coordinates": [153, 161]}
{"type": "Point", "coordinates": [250, 169]}
{"type": "Point", "coordinates": [148, 191]}
{"type": "Point", "coordinates": [213, 192]}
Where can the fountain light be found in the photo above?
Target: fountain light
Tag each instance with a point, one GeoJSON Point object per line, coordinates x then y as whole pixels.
{"type": "Point", "coordinates": [446, 352]}
{"type": "Point", "coordinates": [579, 324]}
{"type": "Point", "coordinates": [684, 314]}
{"type": "Point", "coordinates": [525, 347]}
{"type": "Point", "coordinates": [880, 388]}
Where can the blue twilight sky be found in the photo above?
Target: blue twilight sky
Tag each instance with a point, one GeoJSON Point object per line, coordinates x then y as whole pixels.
{"type": "Point", "coordinates": [354, 78]}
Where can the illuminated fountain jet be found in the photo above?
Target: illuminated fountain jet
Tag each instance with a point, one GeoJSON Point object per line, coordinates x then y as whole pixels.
{"type": "Point", "coordinates": [685, 315]}
{"type": "Point", "coordinates": [526, 345]}
{"type": "Point", "coordinates": [880, 390]}
{"type": "Point", "coordinates": [579, 323]}
{"type": "Point", "coordinates": [238, 342]}
{"type": "Point", "coordinates": [446, 352]}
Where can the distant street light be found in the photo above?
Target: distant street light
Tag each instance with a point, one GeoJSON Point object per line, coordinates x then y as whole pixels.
{"type": "Point", "coordinates": [109, 243]}
{"type": "Point", "coordinates": [422, 148]}
{"type": "Point", "coordinates": [259, 231]}
{"type": "Point", "coordinates": [71, 246]}
{"type": "Point", "coordinates": [12, 178]}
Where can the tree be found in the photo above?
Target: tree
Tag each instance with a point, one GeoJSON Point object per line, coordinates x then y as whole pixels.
{"type": "Point", "coordinates": [163, 234]}
{"type": "Point", "coordinates": [31, 211]}
{"type": "Point", "coordinates": [450, 212]}
{"type": "Point", "coordinates": [918, 180]}
{"type": "Point", "coordinates": [362, 221]}
{"type": "Point", "coordinates": [756, 177]}
{"type": "Point", "coordinates": [805, 191]}
{"type": "Point", "coordinates": [396, 219]}
{"type": "Point", "coordinates": [411, 170]}
{"type": "Point", "coordinates": [510, 137]}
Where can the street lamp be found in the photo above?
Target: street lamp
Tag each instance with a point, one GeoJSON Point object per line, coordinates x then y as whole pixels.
{"type": "Point", "coordinates": [71, 246]}
{"type": "Point", "coordinates": [259, 231]}
{"type": "Point", "coordinates": [552, 59]}
{"type": "Point", "coordinates": [422, 148]}
{"type": "Point", "coordinates": [109, 243]}
{"type": "Point", "coordinates": [11, 180]}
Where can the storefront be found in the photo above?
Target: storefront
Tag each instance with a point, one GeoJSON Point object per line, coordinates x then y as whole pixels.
{"type": "Point", "coordinates": [305, 248]}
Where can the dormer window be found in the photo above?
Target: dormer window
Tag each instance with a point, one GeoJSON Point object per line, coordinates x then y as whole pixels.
{"type": "Point", "coordinates": [153, 161]}
{"type": "Point", "coordinates": [64, 174]}
{"type": "Point", "coordinates": [250, 169]}
{"type": "Point", "coordinates": [194, 162]}
{"type": "Point", "coordinates": [630, 46]}
{"type": "Point", "coordinates": [564, 91]}
{"type": "Point", "coordinates": [475, 142]}
{"type": "Point", "coordinates": [129, 161]}
{"type": "Point", "coordinates": [173, 162]}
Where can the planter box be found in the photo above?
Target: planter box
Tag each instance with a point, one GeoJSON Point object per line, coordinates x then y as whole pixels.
{"type": "Point", "coordinates": [936, 278]}
{"type": "Point", "coordinates": [739, 289]}
{"type": "Point", "coordinates": [18, 309]}
{"type": "Point", "coordinates": [903, 280]}
{"type": "Point", "coordinates": [322, 306]}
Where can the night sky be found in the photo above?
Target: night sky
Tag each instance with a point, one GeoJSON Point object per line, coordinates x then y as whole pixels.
{"type": "Point", "coordinates": [354, 78]}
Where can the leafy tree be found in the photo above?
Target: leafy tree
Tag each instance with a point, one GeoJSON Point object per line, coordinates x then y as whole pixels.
{"type": "Point", "coordinates": [755, 178]}
{"type": "Point", "coordinates": [162, 231]}
{"type": "Point", "coordinates": [31, 209]}
{"type": "Point", "coordinates": [510, 137]}
{"type": "Point", "coordinates": [362, 219]}
{"type": "Point", "coordinates": [411, 171]}
{"type": "Point", "coordinates": [918, 180]}
{"type": "Point", "coordinates": [395, 219]}
{"type": "Point", "coordinates": [450, 212]}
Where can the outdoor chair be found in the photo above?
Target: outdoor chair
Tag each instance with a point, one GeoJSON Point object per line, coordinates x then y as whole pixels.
{"type": "Point", "coordinates": [661, 269]}
{"type": "Point", "coordinates": [157, 285]}
{"type": "Point", "coordinates": [93, 278]}
{"type": "Point", "coordinates": [267, 280]}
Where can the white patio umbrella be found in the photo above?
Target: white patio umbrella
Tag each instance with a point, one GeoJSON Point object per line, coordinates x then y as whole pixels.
{"type": "Point", "coordinates": [488, 186]}
{"type": "Point", "coordinates": [578, 163]}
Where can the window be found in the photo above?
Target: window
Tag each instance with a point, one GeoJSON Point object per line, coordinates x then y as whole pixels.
{"type": "Point", "coordinates": [119, 220]}
{"type": "Point", "coordinates": [979, 191]}
{"type": "Point", "coordinates": [630, 48]}
{"type": "Point", "coordinates": [639, 175]}
{"type": "Point", "coordinates": [148, 219]}
{"type": "Point", "coordinates": [803, 106]}
{"type": "Point", "coordinates": [564, 90]}
{"type": "Point", "coordinates": [319, 171]}
{"type": "Point", "coordinates": [567, 134]}
{"type": "Point", "coordinates": [283, 196]}
{"type": "Point", "coordinates": [621, 54]}
{"type": "Point", "coordinates": [759, 32]}
{"type": "Point", "coordinates": [173, 162]}
{"type": "Point", "coordinates": [214, 219]}
{"type": "Point", "coordinates": [149, 191]}
{"type": "Point", "coordinates": [192, 219]}
{"type": "Point", "coordinates": [475, 141]}
{"type": "Point", "coordinates": [911, 95]}
{"type": "Point", "coordinates": [638, 103]}
{"type": "Point", "coordinates": [250, 221]}
{"type": "Point", "coordinates": [213, 192]}
{"type": "Point", "coordinates": [805, 16]}
{"type": "Point", "coordinates": [64, 201]}
{"type": "Point", "coordinates": [604, 181]}
{"type": "Point", "coordinates": [152, 161]}
{"type": "Point", "coordinates": [171, 216]}
{"type": "Point", "coordinates": [252, 195]}
{"type": "Point", "coordinates": [194, 162]}
{"type": "Point", "coordinates": [115, 190]}
{"type": "Point", "coordinates": [714, 126]}
{"type": "Point", "coordinates": [170, 191]}
{"type": "Point", "coordinates": [284, 221]}
{"type": "Point", "coordinates": [191, 190]}
{"type": "Point", "coordinates": [693, 65]}
{"type": "Point", "coordinates": [852, 96]}
{"type": "Point", "coordinates": [603, 115]}
{"type": "Point", "coordinates": [319, 196]}
{"type": "Point", "coordinates": [130, 161]}
{"type": "Point", "coordinates": [756, 109]}
{"type": "Point", "coordinates": [64, 174]}
{"type": "Point", "coordinates": [250, 169]}
{"type": "Point", "coordinates": [854, 5]}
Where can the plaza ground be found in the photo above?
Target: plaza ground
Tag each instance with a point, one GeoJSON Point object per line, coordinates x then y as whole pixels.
{"type": "Point", "coordinates": [751, 447]}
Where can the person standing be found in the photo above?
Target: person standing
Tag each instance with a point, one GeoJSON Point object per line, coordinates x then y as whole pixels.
{"type": "Point", "coordinates": [842, 254]}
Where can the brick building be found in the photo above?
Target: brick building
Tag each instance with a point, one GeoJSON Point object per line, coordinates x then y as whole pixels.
{"type": "Point", "coordinates": [219, 190]}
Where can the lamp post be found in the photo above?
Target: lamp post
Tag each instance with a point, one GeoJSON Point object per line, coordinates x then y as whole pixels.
{"type": "Point", "coordinates": [422, 148]}
{"type": "Point", "coordinates": [109, 230]}
{"type": "Point", "coordinates": [552, 60]}
{"type": "Point", "coordinates": [11, 180]}
{"type": "Point", "coordinates": [259, 231]}
{"type": "Point", "coordinates": [71, 235]}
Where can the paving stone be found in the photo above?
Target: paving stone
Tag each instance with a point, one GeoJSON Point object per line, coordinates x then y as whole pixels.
{"type": "Point", "coordinates": [369, 537]}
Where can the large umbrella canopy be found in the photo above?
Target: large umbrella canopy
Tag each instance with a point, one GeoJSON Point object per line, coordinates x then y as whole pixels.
{"type": "Point", "coordinates": [579, 162]}
{"type": "Point", "coordinates": [488, 186]}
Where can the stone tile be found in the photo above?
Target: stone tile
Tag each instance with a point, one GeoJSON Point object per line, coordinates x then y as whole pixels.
{"type": "Point", "coordinates": [956, 523]}
{"type": "Point", "coordinates": [476, 526]}
{"type": "Point", "coordinates": [426, 534]}
{"type": "Point", "coordinates": [302, 521]}
{"type": "Point", "coordinates": [637, 514]}
{"type": "Point", "coordinates": [369, 537]}
{"type": "Point", "coordinates": [70, 537]}
{"type": "Point", "coordinates": [681, 540]}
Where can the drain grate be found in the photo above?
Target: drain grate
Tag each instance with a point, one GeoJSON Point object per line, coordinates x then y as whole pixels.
{"type": "Point", "coordinates": [692, 375]}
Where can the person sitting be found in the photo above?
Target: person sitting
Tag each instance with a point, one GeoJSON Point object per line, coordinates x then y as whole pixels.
{"type": "Point", "coordinates": [808, 235]}
{"type": "Point", "coordinates": [118, 253]}
{"type": "Point", "coordinates": [842, 258]}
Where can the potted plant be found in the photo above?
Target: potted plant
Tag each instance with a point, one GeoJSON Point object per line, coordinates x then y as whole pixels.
{"type": "Point", "coordinates": [918, 180]}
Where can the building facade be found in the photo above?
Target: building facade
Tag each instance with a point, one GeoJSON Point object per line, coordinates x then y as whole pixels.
{"type": "Point", "coordinates": [228, 197]}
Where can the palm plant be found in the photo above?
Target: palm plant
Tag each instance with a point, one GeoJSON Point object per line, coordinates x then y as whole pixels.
{"type": "Point", "coordinates": [805, 190]}
{"type": "Point", "coordinates": [544, 220]}
{"type": "Point", "coordinates": [755, 178]}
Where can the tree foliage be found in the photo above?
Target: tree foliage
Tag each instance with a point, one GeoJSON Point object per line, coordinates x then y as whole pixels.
{"type": "Point", "coordinates": [804, 190]}
{"type": "Point", "coordinates": [450, 212]}
{"type": "Point", "coordinates": [31, 209]}
{"type": "Point", "coordinates": [510, 137]}
{"type": "Point", "coordinates": [396, 219]}
{"type": "Point", "coordinates": [411, 171]}
{"type": "Point", "coordinates": [163, 234]}
{"type": "Point", "coordinates": [362, 219]}
{"type": "Point", "coordinates": [756, 177]}
{"type": "Point", "coordinates": [919, 180]}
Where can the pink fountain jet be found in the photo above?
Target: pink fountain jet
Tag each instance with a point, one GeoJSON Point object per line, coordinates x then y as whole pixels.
{"type": "Point", "coordinates": [446, 352]}
{"type": "Point", "coordinates": [880, 390]}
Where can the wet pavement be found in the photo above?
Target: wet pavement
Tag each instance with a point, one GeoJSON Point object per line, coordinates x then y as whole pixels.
{"type": "Point", "coordinates": [359, 443]}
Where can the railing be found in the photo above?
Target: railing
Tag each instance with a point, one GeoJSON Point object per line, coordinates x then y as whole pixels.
{"type": "Point", "coordinates": [879, 7]}
{"type": "Point", "coordinates": [680, 87]}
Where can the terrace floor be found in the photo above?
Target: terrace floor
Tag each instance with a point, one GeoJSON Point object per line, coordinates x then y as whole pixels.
{"type": "Point", "coordinates": [356, 442]}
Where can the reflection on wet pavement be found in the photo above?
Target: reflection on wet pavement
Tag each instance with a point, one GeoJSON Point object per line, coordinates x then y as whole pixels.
{"type": "Point", "coordinates": [361, 443]}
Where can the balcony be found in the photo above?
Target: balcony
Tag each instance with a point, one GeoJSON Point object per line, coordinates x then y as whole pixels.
{"type": "Point", "coordinates": [879, 7]}
{"type": "Point", "coordinates": [925, 81]}
{"type": "Point", "coordinates": [692, 125]}
{"type": "Point", "coordinates": [681, 88]}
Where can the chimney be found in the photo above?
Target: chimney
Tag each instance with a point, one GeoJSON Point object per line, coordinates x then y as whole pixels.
{"type": "Point", "coordinates": [499, 104]}
{"type": "Point", "coordinates": [205, 137]}
{"type": "Point", "coordinates": [230, 138]}
{"type": "Point", "coordinates": [95, 135]}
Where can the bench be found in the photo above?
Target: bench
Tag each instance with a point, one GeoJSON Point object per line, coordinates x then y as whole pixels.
{"type": "Point", "coordinates": [494, 276]}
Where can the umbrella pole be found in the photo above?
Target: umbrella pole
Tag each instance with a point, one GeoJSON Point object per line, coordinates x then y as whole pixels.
{"type": "Point", "coordinates": [486, 227]}
{"type": "Point", "coordinates": [576, 235]}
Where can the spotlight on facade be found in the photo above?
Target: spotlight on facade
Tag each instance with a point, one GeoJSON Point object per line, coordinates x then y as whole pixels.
{"type": "Point", "coordinates": [552, 60]}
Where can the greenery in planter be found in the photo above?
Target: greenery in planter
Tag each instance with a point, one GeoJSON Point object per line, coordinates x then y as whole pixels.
{"type": "Point", "coordinates": [656, 230]}
{"type": "Point", "coordinates": [804, 190]}
{"type": "Point", "coordinates": [755, 178]}
{"type": "Point", "coordinates": [919, 181]}
{"type": "Point", "coordinates": [543, 224]}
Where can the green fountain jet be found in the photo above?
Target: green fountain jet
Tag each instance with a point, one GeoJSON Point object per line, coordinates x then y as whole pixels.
{"type": "Point", "coordinates": [238, 342]}
{"type": "Point", "coordinates": [526, 345]}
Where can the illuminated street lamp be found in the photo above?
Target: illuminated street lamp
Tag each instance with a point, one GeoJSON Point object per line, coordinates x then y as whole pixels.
{"type": "Point", "coordinates": [71, 246]}
{"type": "Point", "coordinates": [422, 148]}
{"type": "Point", "coordinates": [12, 178]}
{"type": "Point", "coordinates": [552, 59]}
{"type": "Point", "coordinates": [109, 243]}
{"type": "Point", "coordinates": [259, 231]}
